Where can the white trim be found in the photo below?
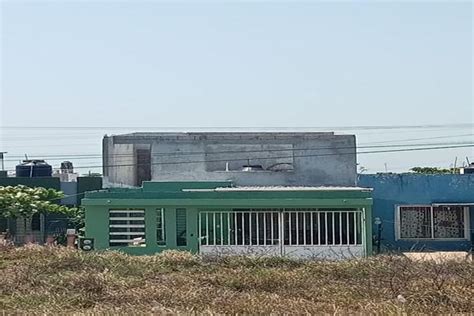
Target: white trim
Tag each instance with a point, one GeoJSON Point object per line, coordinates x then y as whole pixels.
{"type": "Point", "coordinates": [128, 233]}
{"type": "Point", "coordinates": [123, 241]}
{"type": "Point", "coordinates": [127, 218]}
{"type": "Point", "coordinates": [279, 189]}
{"type": "Point", "coordinates": [467, 223]}
{"type": "Point", "coordinates": [126, 211]}
{"type": "Point", "coordinates": [453, 204]}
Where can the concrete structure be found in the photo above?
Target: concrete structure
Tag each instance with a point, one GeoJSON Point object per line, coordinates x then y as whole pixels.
{"type": "Point", "coordinates": [218, 218]}
{"type": "Point", "coordinates": [423, 212]}
{"type": "Point", "coordinates": [274, 158]}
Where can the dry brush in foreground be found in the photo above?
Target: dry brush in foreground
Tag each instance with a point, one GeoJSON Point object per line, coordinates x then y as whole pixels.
{"type": "Point", "coordinates": [58, 280]}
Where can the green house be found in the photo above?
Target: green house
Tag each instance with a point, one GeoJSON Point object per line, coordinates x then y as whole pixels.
{"type": "Point", "coordinates": [217, 218]}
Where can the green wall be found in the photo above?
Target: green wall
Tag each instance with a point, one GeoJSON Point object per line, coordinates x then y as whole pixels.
{"type": "Point", "coordinates": [97, 226]}
{"type": "Point", "coordinates": [45, 182]}
{"type": "Point", "coordinates": [171, 197]}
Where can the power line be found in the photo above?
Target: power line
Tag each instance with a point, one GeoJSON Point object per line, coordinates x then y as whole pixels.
{"type": "Point", "coordinates": [282, 157]}
{"type": "Point", "coordinates": [191, 153]}
{"type": "Point", "coordinates": [197, 129]}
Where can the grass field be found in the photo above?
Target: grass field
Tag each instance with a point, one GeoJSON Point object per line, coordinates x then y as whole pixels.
{"type": "Point", "coordinates": [58, 280]}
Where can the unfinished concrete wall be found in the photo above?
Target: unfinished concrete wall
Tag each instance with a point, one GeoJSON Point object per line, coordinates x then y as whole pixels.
{"type": "Point", "coordinates": [118, 162]}
{"type": "Point", "coordinates": [286, 158]}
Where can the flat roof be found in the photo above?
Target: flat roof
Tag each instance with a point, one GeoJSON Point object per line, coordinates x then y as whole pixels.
{"type": "Point", "coordinates": [278, 188]}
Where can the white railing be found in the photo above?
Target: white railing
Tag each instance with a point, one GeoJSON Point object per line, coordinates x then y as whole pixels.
{"type": "Point", "coordinates": [282, 231]}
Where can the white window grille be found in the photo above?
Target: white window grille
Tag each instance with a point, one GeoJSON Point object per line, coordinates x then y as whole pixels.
{"type": "Point", "coordinates": [127, 227]}
{"type": "Point", "coordinates": [432, 222]}
{"type": "Point", "coordinates": [243, 227]}
{"type": "Point", "coordinates": [322, 227]}
{"type": "Point", "coordinates": [289, 227]}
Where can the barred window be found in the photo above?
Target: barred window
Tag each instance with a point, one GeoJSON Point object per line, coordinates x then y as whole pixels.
{"type": "Point", "coordinates": [127, 228]}
{"type": "Point", "coordinates": [432, 222]}
{"type": "Point", "coordinates": [160, 227]}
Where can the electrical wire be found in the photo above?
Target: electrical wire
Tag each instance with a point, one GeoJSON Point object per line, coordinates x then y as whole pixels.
{"type": "Point", "coordinates": [282, 157]}
{"type": "Point", "coordinates": [196, 129]}
{"type": "Point", "coordinates": [184, 153]}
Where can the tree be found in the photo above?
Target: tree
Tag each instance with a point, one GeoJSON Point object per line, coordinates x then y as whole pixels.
{"type": "Point", "coordinates": [434, 170]}
{"type": "Point", "coordinates": [22, 201]}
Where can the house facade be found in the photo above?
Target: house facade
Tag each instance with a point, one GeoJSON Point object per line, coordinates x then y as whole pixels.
{"type": "Point", "coordinates": [221, 218]}
{"type": "Point", "coordinates": [247, 159]}
{"type": "Point", "coordinates": [423, 212]}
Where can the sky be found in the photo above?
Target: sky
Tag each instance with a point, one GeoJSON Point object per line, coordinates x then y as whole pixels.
{"type": "Point", "coordinates": [101, 67]}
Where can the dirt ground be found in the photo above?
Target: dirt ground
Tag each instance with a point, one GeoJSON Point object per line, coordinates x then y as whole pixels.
{"type": "Point", "coordinates": [439, 256]}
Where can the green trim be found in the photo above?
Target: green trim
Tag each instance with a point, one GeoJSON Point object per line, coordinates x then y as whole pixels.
{"type": "Point", "coordinates": [229, 202]}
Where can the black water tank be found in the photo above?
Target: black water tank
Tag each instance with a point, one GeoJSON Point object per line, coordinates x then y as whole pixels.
{"type": "Point", "coordinates": [33, 169]}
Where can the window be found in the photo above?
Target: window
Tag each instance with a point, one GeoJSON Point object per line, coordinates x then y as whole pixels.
{"type": "Point", "coordinates": [181, 227]}
{"type": "Point", "coordinates": [415, 222]}
{"type": "Point", "coordinates": [448, 222]}
{"type": "Point", "coordinates": [160, 227]}
{"type": "Point", "coordinates": [432, 222]}
{"type": "Point", "coordinates": [143, 170]}
{"type": "Point", "coordinates": [127, 228]}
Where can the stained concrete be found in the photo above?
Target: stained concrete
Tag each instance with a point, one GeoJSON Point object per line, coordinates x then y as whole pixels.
{"type": "Point", "coordinates": [288, 158]}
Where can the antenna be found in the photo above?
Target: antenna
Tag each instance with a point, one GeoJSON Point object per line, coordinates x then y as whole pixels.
{"type": "Point", "coordinates": [468, 162]}
{"type": "Point", "coordinates": [26, 157]}
{"type": "Point", "coordinates": [455, 163]}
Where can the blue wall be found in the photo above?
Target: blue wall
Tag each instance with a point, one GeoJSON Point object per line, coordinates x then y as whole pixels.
{"type": "Point", "coordinates": [391, 190]}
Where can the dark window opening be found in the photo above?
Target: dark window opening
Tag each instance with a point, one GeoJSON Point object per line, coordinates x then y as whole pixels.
{"type": "Point", "coordinates": [181, 227]}
{"type": "Point", "coordinates": [143, 166]}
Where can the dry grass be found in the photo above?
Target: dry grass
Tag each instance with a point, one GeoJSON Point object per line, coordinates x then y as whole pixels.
{"type": "Point", "coordinates": [58, 280]}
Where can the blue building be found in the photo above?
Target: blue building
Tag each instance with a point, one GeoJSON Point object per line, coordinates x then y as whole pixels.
{"type": "Point", "coordinates": [423, 212]}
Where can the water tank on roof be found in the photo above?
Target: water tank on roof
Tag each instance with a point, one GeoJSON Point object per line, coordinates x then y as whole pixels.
{"type": "Point", "coordinates": [33, 169]}
{"type": "Point", "coordinates": [67, 167]}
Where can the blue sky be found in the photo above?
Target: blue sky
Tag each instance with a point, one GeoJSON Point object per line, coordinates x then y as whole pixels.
{"type": "Point", "coordinates": [240, 64]}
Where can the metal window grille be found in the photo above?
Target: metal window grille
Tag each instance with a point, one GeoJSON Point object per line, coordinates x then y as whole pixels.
{"type": "Point", "coordinates": [181, 239]}
{"type": "Point", "coordinates": [268, 227]}
{"type": "Point", "coordinates": [160, 227]}
{"type": "Point", "coordinates": [126, 227]}
{"type": "Point", "coordinates": [320, 227]}
{"type": "Point", "coordinates": [432, 222]}
{"type": "Point", "coordinates": [242, 227]}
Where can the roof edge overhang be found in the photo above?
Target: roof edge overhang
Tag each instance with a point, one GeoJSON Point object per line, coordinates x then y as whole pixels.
{"type": "Point", "coordinates": [212, 202]}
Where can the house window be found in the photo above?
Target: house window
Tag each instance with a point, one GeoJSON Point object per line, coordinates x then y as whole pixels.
{"type": "Point", "coordinates": [181, 227]}
{"type": "Point", "coordinates": [449, 222]}
{"type": "Point", "coordinates": [127, 228]}
{"type": "Point", "coordinates": [160, 227]}
{"type": "Point", "coordinates": [432, 222]}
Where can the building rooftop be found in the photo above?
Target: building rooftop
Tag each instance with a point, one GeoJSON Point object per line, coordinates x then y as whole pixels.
{"type": "Point", "coordinates": [278, 189]}
{"type": "Point", "coordinates": [229, 135]}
